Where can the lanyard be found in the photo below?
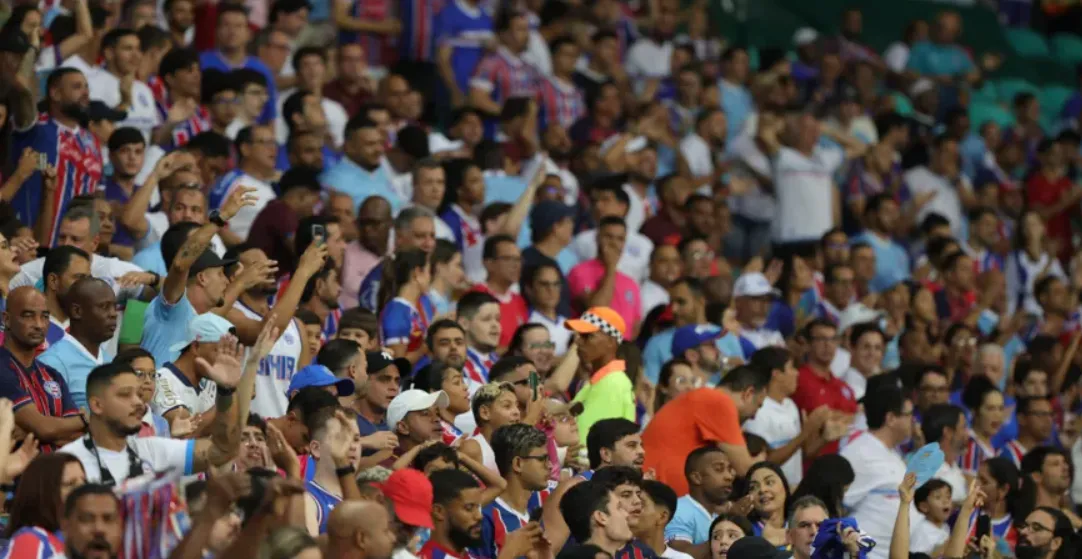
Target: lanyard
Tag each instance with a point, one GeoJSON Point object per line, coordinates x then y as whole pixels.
{"type": "Point", "coordinates": [135, 464]}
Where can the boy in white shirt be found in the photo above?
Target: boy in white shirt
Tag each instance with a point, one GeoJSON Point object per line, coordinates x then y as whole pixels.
{"type": "Point", "coordinates": [930, 531]}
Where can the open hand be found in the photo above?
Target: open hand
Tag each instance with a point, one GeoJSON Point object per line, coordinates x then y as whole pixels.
{"type": "Point", "coordinates": [312, 260]}
{"type": "Point", "coordinates": [226, 369]}
{"type": "Point", "coordinates": [19, 460]}
{"type": "Point", "coordinates": [905, 490]}
{"type": "Point", "coordinates": [240, 197]}
{"type": "Point", "coordinates": [268, 336]}
{"type": "Point", "coordinates": [224, 490]}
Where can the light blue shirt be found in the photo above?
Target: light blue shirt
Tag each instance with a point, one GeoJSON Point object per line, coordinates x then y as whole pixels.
{"type": "Point", "coordinates": [358, 183]}
{"type": "Point", "coordinates": [165, 325]}
{"type": "Point", "coordinates": [737, 104]}
{"type": "Point", "coordinates": [151, 260]}
{"type": "Point", "coordinates": [659, 351]}
{"type": "Point", "coordinates": [690, 522]}
{"type": "Point", "coordinates": [74, 362]}
{"type": "Point", "coordinates": [891, 261]}
{"type": "Point", "coordinates": [500, 187]}
{"type": "Point", "coordinates": [933, 59]}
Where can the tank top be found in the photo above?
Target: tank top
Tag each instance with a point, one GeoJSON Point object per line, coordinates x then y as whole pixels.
{"type": "Point", "coordinates": [276, 369]}
{"type": "Point", "coordinates": [325, 503]}
{"type": "Point", "coordinates": [488, 457]}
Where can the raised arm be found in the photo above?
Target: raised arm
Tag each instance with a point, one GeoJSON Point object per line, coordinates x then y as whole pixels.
{"type": "Point", "coordinates": [515, 218]}
{"type": "Point", "coordinates": [899, 539]}
{"type": "Point", "coordinates": [84, 32]}
{"type": "Point", "coordinates": [312, 261]}
{"type": "Point", "coordinates": [177, 279]}
{"type": "Point", "coordinates": [224, 441]}
{"type": "Point", "coordinates": [133, 212]}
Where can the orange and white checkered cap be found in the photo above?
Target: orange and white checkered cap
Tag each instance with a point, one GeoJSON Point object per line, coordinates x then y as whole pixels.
{"type": "Point", "coordinates": [599, 319]}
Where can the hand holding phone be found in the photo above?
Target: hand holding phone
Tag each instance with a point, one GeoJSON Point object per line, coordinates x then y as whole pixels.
{"type": "Point", "coordinates": [319, 234]}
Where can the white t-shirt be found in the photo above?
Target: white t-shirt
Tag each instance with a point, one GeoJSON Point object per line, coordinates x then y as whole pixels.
{"type": "Point", "coordinates": [952, 474]}
{"type": "Point", "coordinates": [756, 204]}
{"type": "Point", "coordinates": [946, 201]}
{"type": "Point", "coordinates": [671, 553]}
{"type": "Point", "coordinates": [697, 155]}
{"type": "Point", "coordinates": [634, 261]}
{"type": "Point", "coordinates": [241, 223]}
{"type": "Point", "coordinates": [158, 224]}
{"type": "Point", "coordinates": [537, 53]}
{"type": "Point", "coordinates": [104, 267]}
{"type": "Point", "coordinates": [779, 423]}
{"type": "Point", "coordinates": [652, 294]}
{"type": "Point", "coordinates": [558, 333]}
{"type": "Point", "coordinates": [176, 391]}
{"type": "Point", "coordinates": [143, 111]}
{"type": "Point", "coordinates": [872, 498]}
{"type": "Point", "coordinates": [896, 56]}
{"type": "Point", "coordinates": [856, 381]}
{"type": "Point", "coordinates": [648, 59]}
{"type": "Point", "coordinates": [158, 454]}
{"type": "Point", "coordinates": [925, 536]}
{"type": "Point", "coordinates": [636, 211]}
{"type": "Point", "coordinates": [804, 187]}
{"type": "Point", "coordinates": [276, 370]}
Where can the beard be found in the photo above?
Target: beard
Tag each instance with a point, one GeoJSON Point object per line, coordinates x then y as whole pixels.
{"type": "Point", "coordinates": [76, 111]}
{"type": "Point", "coordinates": [120, 429]}
{"type": "Point", "coordinates": [96, 544]}
{"type": "Point", "coordinates": [330, 303]}
{"type": "Point", "coordinates": [1025, 550]}
{"type": "Point", "coordinates": [463, 539]}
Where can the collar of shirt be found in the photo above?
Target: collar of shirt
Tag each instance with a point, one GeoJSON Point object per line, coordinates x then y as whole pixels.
{"type": "Point", "coordinates": [99, 358]}
{"type": "Point", "coordinates": [472, 11]}
{"type": "Point", "coordinates": [184, 378]}
{"type": "Point", "coordinates": [513, 59]}
{"type": "Point", "coordinates": [614, 366]}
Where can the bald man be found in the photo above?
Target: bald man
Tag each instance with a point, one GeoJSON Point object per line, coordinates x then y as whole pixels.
{"type": "Point", "coordinates": [373, 241]}
{"type": "Point", "coordinates": [40, 396]}
{"type": "Point", "coordinates": [360, 530]}
{"type": "Point", "coordinates": [91, 307]}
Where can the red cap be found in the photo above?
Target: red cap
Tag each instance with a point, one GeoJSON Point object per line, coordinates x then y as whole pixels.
{"type": "Point", "coordinates": [411, 493]}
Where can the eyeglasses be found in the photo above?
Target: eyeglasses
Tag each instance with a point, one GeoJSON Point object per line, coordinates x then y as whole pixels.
{"type": "Point", "coordinates": [543, 459]}
{"type": "Point", "coordinates": [1038, 528]}
{"type": "Point", "coordinates": [142, 374]}
{"type": "Point", "coordinates": [542, 345]}
{"type": "Point", "coordinates": [971, 342]}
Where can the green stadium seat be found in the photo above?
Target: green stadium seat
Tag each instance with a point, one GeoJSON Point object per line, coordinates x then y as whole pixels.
{"type": "Point", "coordinates": [1052, 98]}
{"type": "Point", "coordinates": [1067, 47]}
{"type": "Point", "coordinates": [1028, 43]}
{"type": "Point", "coordinates": [986, 94]}
{"type": "Point", "coordinates": [1007, 88]}
{"type": "Point", "coordinates": [979, 113]}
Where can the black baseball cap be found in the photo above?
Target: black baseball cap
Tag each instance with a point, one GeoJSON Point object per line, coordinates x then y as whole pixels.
{"type": "Point", "coordinates": [380, 360]}
{"type": "Point", "coordinates": [209, 260]}
{"type": "Point", "coordinates": [755, 547]}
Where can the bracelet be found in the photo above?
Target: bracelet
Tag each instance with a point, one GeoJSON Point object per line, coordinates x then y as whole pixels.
{"type": "Point", "coordinates": [226, 390]}
{"type": "Point", "coordinates": [348, 470]}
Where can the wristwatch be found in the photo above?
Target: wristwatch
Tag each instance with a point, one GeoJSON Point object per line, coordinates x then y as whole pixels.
{"type": "Point", "coordinates": [215, 217]}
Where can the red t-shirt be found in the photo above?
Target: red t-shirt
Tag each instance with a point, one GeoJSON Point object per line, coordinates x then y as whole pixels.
{"type": "Point", "coordinates": [814, 391]}
{"type": "Point", "coordinates": [1042, 193]}
{"type": "Point", "coordinates": [513, 312]}
{"type": "Point", "coordinates": [691, 420]}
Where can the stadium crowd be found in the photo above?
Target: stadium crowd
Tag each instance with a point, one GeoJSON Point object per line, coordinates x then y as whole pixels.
{"type": "Point", "coordinates": [478, 279]}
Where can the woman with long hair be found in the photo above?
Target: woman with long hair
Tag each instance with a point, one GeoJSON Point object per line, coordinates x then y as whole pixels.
{"type": "Point", "coordinates": [38, 505]}
{"type": "Point", "coordinates": [984, 400]}
{"type": "Point", "coordinates": [724, 531]}
{"type": "Point", "coordinates": [772, 496]}
{"type": "Point", "coordinates": [827, 479]}
{"type": "Point", "coordinates": [1029, 261]}
{"type": "Point", "coordinates": [406, 310]}
{"type": "Point", "coordinates": [788, 313]}
{"type": "Point", "coordinates": [999, 480]}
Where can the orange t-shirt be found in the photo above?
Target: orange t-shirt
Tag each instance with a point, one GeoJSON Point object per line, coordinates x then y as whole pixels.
{"type": "Point", "coordinates": [694, 419]}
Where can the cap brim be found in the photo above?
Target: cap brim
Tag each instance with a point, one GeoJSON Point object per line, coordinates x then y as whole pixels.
{"type": "Point", "coordinates": [179, 346]}
{"type": "Point", "coordinates": [345, 386]}
{"type": "Point", "coordinates": [574, 409]}
{"type": "Point", "coordinates": [221, 263]}
{"type": "Point", "coordinates": [580, 326]}
{"type": "Point", "coordinates": [412, 515]}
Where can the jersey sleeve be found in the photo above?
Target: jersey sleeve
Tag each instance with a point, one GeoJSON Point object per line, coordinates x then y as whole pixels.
{"type": "Point", "coordinates": [486, 76]}
{"type": "Point", "coordinates": [67, 403]}
{"type": "Point", "coordinates": [490, 547]}
{"type": "Point", "coordinates": [12, 390]}
{"type": "Point", "coordinates": [168, 454]}
{"type": "Point", "coordinates": [28, 543]}
{"type": "Point", "coordinates": [681, 527]}
{"type": "Point", "coordinates": [395, 326]}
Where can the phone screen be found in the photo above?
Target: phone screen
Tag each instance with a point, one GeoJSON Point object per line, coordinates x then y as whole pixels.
{"type": "Point", "coordinates": [319, 234]}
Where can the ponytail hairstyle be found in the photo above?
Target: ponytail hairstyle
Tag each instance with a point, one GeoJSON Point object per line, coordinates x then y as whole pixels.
{"type": "Point", "coordinates": [398, 272]}
{"type": "Point", "coordinates": [1003, 471]}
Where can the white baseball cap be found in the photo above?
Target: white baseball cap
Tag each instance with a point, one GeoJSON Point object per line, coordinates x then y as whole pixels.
{"type": "Point", "coordinates": [753, 284]}
{"type": "Point", "coordinates": [857, 313]}
{"type": "Point", "coordinates": [413, 400]}
{"type": "Point", "coordinates": [805, 36]}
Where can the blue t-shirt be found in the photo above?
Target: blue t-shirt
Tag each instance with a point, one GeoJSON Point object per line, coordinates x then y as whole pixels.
{"type": "Point", "coordinates": [891, 261]}
{"type": "Point", "coordinates": [151, 260]}
{"type": "Point", "coordinates": [932, 59]}
{"type": "Point", "coordinates": [73, 362]}
{"type": "Point", "coordinates": [212, 59]}
{"type": "Point", "coordinates": [465, 30]}
{"type": "Point", "coordinates": [690, 523]}
{"type": "Point", "coordinates": [369, 293]}
{"type": "Point", "coordinates": [165, 325]}
{"type": "Point", "coordinates": [359, 183]}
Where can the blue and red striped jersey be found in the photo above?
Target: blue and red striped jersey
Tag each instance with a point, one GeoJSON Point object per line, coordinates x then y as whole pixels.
{"type": "Point", "coordinates": [76, 155]}
{"type": "Point", "coordinates": [478, 365]}
{"type": "Point", "coordinates": [635, 549]}
{"type": "Point", "coordinates": [1013, 451]}
{"type": "Point", "coordinates": [561, 103]}
{"type": "Point", "coordinates": [403, 322]}
{"type": "Point", "coordinates": [498, 519]}
{"type": "Point", "coordinates": [418, 38]}
{"type": "Point", "coordinates": [378, 49]}
{"type": "Point", "coordinates": [433, 550]}
{"type": "Point", "coordinates": [33, 542]}
{"type": "Point", "coordinates": [975, 454]}
{"type": "Point", "coordinates": [37, 384]}
{"type": "Point", "coordinates": [465, 29]}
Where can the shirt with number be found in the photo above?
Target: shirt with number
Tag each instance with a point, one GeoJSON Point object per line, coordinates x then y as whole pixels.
{"type": "Point", "coordinates": [176, 390]}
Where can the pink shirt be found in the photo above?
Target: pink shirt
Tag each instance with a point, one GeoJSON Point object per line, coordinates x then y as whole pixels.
{"type": "Point", "coordinates": [357, 263]}
{"type": "Point", "coordinates": [586, 277]}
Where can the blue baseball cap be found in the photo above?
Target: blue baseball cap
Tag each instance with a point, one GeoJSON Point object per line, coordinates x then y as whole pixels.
{"type": "Point", "coordinates": [205, 328]}
{"type": "Point", "coordinates": [546, 214]}
{"type": "Point", "coordinates": [691, 337]}
{"type": "Point", "coordinates": [319, 375]}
